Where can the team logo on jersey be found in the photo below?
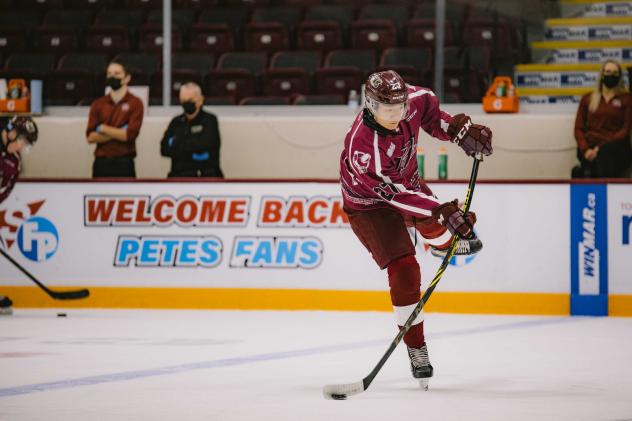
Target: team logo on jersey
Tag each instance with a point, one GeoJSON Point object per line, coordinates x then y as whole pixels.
{"type": "Point", "coordinates": [406, 155]}
{"type": "Point", "coordinates": [37, 237]}
{"type": "Point", "coordinates": [361, 161]}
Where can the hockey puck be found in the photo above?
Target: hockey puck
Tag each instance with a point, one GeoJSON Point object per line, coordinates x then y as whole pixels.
{"type": "Point", "coordinates": [62, 315]}
{"type": "Point", "coordinates": [338, 397]}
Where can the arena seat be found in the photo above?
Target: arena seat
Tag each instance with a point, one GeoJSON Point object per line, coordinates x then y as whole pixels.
{"type": "Point", "coordinates": [236, 83]}
{"type": "Point", "coordinates": [107, 39]}
{"type": "Point", "coordinates": [213, 38]}
{"type": "Point", "coordinates": [198, 62]}
{"type": "Point", "coordinates": [309, 61]}
{"type": "Point", "coordinates": [317, 35]}
{"type": "Point", "coordinates": [265, 100]}
{"type": "Point", "coordinates": [13, 40]}
{"type": "Point", "coordinates": [318, 100]}
{"type": "Point", "coordinates": [364, 60]}
{"type": "Point", "coordinates": [378, 34]}
{"type": "Point", "coordinates": [285, 82]}
{"type": "Point", "coordinates": [251, 61]}
{"type": "Point", "coordinates": [338, 80]}
{"type": "Point", "coordinates": [87, 62]}
{"type": "Point", "coordinates": [266, 36]}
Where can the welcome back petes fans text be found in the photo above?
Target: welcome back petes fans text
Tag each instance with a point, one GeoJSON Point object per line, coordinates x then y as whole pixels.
{"type": "Point", "coordinates": [204, 212]}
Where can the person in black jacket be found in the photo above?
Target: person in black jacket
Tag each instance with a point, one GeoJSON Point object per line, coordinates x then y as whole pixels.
{"type": "Point", "coordinates": [192, 139]}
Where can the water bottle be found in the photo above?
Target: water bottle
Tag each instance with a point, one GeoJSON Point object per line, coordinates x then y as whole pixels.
{"type": "Point", "coordinates": [15, 92]}
{"type": "Point", "coordinates": [443, 163]}
{"type": "Point", "coordinates": [420, 161]}
{"type": "Point", "coordinates": [36, 96]}
{"type": "Point", "coordinates": [501, 89]}
{"type": "Point", "coordinates": [353, 101]}
{"type": "Point", "coordinates": [3, 89]}
{"type": "Point", "coordinates": [511, 92]}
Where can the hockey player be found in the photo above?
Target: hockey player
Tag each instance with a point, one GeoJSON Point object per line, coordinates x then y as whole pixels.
{"type": "Point", "coordinates": [18, 135]}
{"type": "Point", "coordinates": [383, 194]}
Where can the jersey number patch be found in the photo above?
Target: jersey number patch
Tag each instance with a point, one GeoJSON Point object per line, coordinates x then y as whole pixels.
{"type": "Point", "coordinates": [385, 191]}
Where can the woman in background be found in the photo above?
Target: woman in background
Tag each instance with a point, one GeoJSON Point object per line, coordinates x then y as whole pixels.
{"type": "Point", "coordinates": [602, 127]}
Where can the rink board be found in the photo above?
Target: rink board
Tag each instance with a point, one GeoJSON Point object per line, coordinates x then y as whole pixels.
{"type": "Point", "coordinates": [280, 245]}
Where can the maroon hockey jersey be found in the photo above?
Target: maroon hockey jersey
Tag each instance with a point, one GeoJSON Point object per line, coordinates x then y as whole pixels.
{"type": "Point", "coordinates": [378, 167]}
{"type": "Point", "coordinates": [9, 170]}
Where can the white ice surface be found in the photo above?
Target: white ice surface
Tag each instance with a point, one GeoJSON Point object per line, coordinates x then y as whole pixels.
{"type": "Point", "coordinates": [242, 365]}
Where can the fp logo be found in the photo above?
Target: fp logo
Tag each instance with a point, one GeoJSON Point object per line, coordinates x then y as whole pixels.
{"type": "Point", "coordinates": [38, 239]}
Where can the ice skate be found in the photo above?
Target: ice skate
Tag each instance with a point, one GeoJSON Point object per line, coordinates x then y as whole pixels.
{"type": "Point", "coordinates": [5, 306]}
{"type": "Point", "coordinates": [420, 365]}
{"type": "Point", "coordinates": [463, 248]}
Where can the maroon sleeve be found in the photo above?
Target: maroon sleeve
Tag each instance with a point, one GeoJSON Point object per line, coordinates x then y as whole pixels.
{"type": "Point", "coordinates": [10, 168]}
{"type": "Point", "coordinates": [135, 120]}
{"type": "Point", "coordinates": [580, 123]}
{"type": "Point", "coordinates": [434, 121]}
{"type": "Point", "coordinates": [93, 118]}
{"type": "Point", "coordinates": [624, 132]}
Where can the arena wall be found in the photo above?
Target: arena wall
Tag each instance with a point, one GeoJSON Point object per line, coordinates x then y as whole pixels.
{"type": "Point", "coordinates": [305, 142]}
{"type": "Point", "coordinates": [287, 245]}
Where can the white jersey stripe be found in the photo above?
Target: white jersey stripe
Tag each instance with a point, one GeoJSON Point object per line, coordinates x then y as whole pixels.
{"type": "Point", "coordinates": [358, 123]}
{"type": "Point", "coordinates": [378, 160]}
{"type": "Point", "coordinates": [414, 209]}
{"type": "Point", "coordinates": [402, 189]}
{"type": "Point", "coordinates": [421, 92]}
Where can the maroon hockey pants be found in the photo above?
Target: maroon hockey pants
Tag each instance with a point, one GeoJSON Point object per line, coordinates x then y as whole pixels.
{"type": "Point", "coordinates": [383, 232]}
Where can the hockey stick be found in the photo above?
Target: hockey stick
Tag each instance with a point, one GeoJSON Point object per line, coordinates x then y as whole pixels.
{"type": "Point", "coordinates": [57, 295]}
{"type": "Point", "coordinates": [342, 391]}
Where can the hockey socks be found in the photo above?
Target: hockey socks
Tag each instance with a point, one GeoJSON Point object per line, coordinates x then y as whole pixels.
{"type": "Point", "coordinates": [404, 278]}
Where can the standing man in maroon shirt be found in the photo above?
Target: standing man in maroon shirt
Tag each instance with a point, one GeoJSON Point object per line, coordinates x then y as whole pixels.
{"type": "Point", "coordinates": [17, 135]}
{"type": "Point", "coordinates": [383, 194]}
{"type": "Point", "coordinates": [114, 124]}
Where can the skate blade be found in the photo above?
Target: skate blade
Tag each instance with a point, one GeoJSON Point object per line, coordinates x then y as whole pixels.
{"type": "Point", "coordinates": [423, 384]}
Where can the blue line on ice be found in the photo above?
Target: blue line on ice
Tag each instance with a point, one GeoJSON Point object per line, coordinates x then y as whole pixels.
{"type": "Point", "coordinates": [161, 371]}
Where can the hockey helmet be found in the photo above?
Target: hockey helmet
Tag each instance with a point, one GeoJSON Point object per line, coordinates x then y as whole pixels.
{"type": "Point", "coordinates": [386, 95]}
{"type": "Point", "coordinates": [25, 128]}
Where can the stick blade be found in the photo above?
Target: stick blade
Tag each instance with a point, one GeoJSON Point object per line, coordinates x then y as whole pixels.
{"type": "Point", "coordinates": [341, 391]}
{"type": "Point", "coordinates": [71, 295]}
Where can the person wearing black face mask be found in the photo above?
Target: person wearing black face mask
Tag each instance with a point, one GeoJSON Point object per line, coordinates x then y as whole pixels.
{"type": "Point", "coordinates": [602, 127]}
{"type": "Point", "coordinates": [192, 139]}
{"type": "Point", "coordinates": [114, 124]}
